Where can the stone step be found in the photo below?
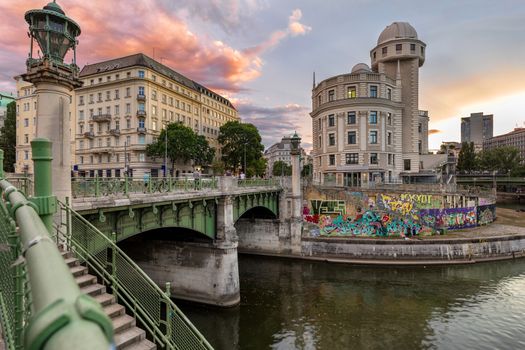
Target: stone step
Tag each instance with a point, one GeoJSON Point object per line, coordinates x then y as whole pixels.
{"type": "Point", "coordinates": [65, 254]}
{"type": "Point", "coordinates": [78, 270]}
{"type": "Point", "coordinates": [144, 344]}
{"type": "Point", "coordinates": [122, 322]}
{"type": "Point", "coordinates": [71, 262]}
{"type": "Point", "coordinates": [85, 280]}
{"type": "Point", "coordinates": [128, 337]}
{"type": "Point", "coordinates": [114, 310]}
{"type": "Point", "coordinates": [105, 299]}
{"type": "Point", "coordinates": [94, 289]}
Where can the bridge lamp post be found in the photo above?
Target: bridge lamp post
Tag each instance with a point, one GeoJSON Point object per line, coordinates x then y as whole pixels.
{"type": "Point", "coordinates": [295, 152]}
{"type": "Point", "coordinates": [54, 80]}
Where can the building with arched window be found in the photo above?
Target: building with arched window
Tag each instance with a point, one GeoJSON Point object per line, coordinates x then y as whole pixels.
{"type": "Point", "coordinates": [367, 126]}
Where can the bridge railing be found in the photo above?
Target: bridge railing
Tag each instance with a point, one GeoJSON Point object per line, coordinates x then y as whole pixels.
{"type": "Point", "coordinates": [40, 303]}
{"type": "Point", "coordinates": [257, 182]}
{"type": "Point", "coordinates": [122, 186]}
{"type": "Point", "coordinates": [152, 306]}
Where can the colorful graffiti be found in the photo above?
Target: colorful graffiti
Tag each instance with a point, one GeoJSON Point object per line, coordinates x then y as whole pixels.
{"type": "Point", "coordinates": [486, 214]}
{"type": "Point", "coordinates": [450, 218]}
{"type": "Point", "coordinates": [328, 207]}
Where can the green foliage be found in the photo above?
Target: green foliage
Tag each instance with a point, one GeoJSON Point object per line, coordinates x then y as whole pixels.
{"type": "Point", "coordinates": [281, 168]}
{"type": "Point", "coordinates": [503, 160]}
{"type": "Point", "coordinates": [218, 167]}
{"type": "Point", "coordinates": [467, 158]}
{"type": "Point", "coordinates": [257, 168]}
{"type": "Point", "coordinates": [182, 145]}
{"type": "Point", "coordinates": [307, 170]}
{"type": "Point", "coordinates": [237, 140]}
{"type": "Point", "coordinates": [8, 138]}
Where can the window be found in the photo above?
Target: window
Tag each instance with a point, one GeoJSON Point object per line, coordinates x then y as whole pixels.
{"type": "Point", "coordinates": [142, 157]}
{"type": "Point", "coordinates": [154, 125]}
{"type": "Point", "coordinates": [117, 109]}
{"type": "Point", "coordinates": [99, 97]}
{"type": "Point", "coordinates": [117, 94]}
{"type": "Point", "coordinates": [331, 139]}
{"type": "Point", "coordinates": [81, 159]}
{"type": "Point", "coordinates": [373, 91]}
{"type": "Point", "coordinates": [412, 48]}
{"type": "Point", "coordinates": [389, 138]}
{"type": "Point", "coordinates": [81, 101]}
{"type": "Point", "coordinates": [81, 129]}
{"type": "Point", "coordinates": [331, 159]}
{"type": "Point", "coordinates": [352, 158]}
{"type": "Point", "coordinates": [108, 110]}
{"type": "Point", "coordinates": [320, 141]}
{"type": "Point", "coordinates": [372, 117]}
{"type": "Point", "coordinates": [389, 159]}
{"type": "Point", "coordinates": [420, 147]}
{"type": "Point", "coordinates": [389, 94]}
{"type": "Point", "coordinates": [374, 55]}
{"type": "Point", "coordinates": [26, 121]}
{"type": "Point", "coordinates": [141, 74]}
{"type": "Point", "coordinates": [108, 95]}
{"type": "Point", "coordinates": [154, 95]}
{"type": "Point", "coordinates": [128, 140]}
{"type": "Point", "coordinates": [352, 139]}
{"type": "Point", "coordinates": [141, 123]}
{"type": "Point", "coordinates": [350, 119]}
{"type": "Point", "coordinates": [128, 92]}
{"type": "Point", "coordinates": [373, 158]}
{"type": "Point", "coordinates": [389, 118]}
{"type": "Point", "coordinates": [419, 128]}
{"type": "Point", "coordinates": [117, 125]}
{"type": "Point", "coordinates": [319, 100]}
{"type": "Point", "coordinates": [331, 95]}
{"type": "Point", "coordinates": [142, 139]}
{"type": "Point", "coordinates": [384, 50]}
{"type": "Point", "coordinates": [108, 142]}
{"type": "Point", "coordinates": [351, 92]}
{"type": "Point", "coordinates": [154, 110]}
{"type": "Point", "coordinates": [26, 155]}
{"type": "Point", "coordinates": [372, 137]}
{"type": "Point", "coordinates": [26, 138]}
{"type": "Point", "coordinates": [128, 123]}
{"type": "Point", "coordinates": [163, 98]}
{"type": "Point", "coordinates": [406, 164]}
{"type": "Point", "coordinates": [331, 120]}
{"type": "Point", "coordinates": [128, 108]}
{"type": "Point", "coordinates": [422, 50]}
{"type": "Point", "coordinates": [154, 78]}
{"type": "Point", "coordinates": [141, 107]}
{"type": "Point", "coordinates": [80, 115]}
{"type": "Point", "coordinates": [399, 47]}
{"type": "Point", "coordinates": [90, 98]}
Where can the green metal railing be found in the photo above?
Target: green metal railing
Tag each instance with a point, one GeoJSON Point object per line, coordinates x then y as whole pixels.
{"type": "Point", "coordinates": [257, 182]}
{"type": "Point", "coordinates": [104, 186]}
{"type": "Point", "coordinates": [157, 313]}
{"type": "Point", "coordinates": [22, 182]}
{"type": "Point", "coordinates": [41, 306]}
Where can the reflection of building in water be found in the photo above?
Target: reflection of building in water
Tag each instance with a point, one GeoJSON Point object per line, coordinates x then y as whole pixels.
{"type": "Point", "coordinates": [366, 124]}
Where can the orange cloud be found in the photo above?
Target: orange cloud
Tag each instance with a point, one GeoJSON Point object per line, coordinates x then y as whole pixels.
{"type": "Point", "coordinates": [111, 29]}
{"type": "Point", "coordinates": [434, 131]}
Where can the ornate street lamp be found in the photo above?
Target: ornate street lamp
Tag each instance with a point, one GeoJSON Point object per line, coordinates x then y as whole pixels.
{"type": "Point", "coordinates": [54, 83]}
{"type": "Point", "coordinates": [295, 141]}
{"type": "Point", "coordinates": [55, 34]}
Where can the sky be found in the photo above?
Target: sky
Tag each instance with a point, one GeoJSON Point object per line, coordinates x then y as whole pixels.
{"type": "Point", "coordinates": [261, 54]}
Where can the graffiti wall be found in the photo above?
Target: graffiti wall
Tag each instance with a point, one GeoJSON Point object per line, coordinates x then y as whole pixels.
{"type": "Point", "coordinates": [396, 214]}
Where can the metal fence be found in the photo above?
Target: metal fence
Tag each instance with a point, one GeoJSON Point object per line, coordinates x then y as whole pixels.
{"type": "Point", "coordinates": [152, 306]}
{"type": "Point", "coordinates": [109, 186]}
{"type": "Point", "coordinates": [257, 182]}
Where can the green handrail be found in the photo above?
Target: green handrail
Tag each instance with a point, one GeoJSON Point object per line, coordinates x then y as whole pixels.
{"type": "Point", "coordinates": [158, 314]}
{"type": "Point", "coordinates": [61, 316]}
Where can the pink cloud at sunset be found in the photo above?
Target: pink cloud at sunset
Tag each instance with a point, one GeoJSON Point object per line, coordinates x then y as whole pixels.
{"type": "Point", "coordinates": [112, 29]}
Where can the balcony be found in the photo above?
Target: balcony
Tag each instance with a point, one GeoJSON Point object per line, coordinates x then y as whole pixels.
{"type": "Point", "coordinates": [114, 132]}
{"type": "Point", "coordinates": [102, 118]}
{"type": "Point", "coordinates": [141, 113]}
{"type": "Point", "coordinates": [102, 150]}
{"type": "Point", "coordinates": [141, 98]}
{"type": "Point", "coordinates": [141, 130]}
{"type": "Point", "coordinates": [89, 134]}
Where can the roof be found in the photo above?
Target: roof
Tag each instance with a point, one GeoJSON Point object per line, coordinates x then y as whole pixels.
{"type": "Point", "coordinates": [361, 67]}
{"type": "Point", "coordinates": [142, 60]}
{"type": "Point", "coordinates": [397, 30]}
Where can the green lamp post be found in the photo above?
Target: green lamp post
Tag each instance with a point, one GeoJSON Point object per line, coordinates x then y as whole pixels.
{"type": "Point", "coordinates": [54, 81]}
{"type": "Point", "coordinates": [55, 34]}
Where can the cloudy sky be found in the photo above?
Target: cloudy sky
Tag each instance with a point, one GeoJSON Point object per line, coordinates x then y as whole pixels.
{"type": "Point", "coordinates": [262, 53]}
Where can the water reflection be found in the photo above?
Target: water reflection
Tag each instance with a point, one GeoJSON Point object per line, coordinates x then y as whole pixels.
{"type": "Point", "coordinates": [289, 304]}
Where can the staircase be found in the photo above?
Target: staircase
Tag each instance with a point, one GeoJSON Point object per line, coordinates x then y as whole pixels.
{"type": "Point", "coordinates": [127, 335]}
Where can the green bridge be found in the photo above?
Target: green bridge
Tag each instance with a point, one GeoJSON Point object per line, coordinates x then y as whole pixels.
{"type": "Point", "coordinates": [66, 284]}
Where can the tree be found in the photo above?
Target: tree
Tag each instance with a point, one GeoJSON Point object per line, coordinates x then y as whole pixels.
{"type": "Point", "coordinates": [467, 158]}
{"type": "Point", "coordinates": [8, 138]}
{"type": "Point", "coordinates": [504, 160]}
{"type": "Point", "coordinates": [217, 167]}
{"type": "Point", "coordinates": [257, 167]}
{"type": "Point", "coordinates": [281, 168]}
{"type": "Point", "coordinates": [182, 145]}
{"type": "Point", "coordinates": [307, 170]}
{"type": "Point", "coordinates": [238, 141]}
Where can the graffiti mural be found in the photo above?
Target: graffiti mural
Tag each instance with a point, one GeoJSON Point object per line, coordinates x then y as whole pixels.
{"type": "Point", "coordinates": [450, 218]}
{"type": "Point", "coordinates": [486, 214]}
{"type": "Point", "coordinates": [328, 207]}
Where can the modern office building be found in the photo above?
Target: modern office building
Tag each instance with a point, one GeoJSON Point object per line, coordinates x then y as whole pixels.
{"type": "Point", "coordinates": [367, 126]}
{"type": "Point", "coordinates": [5, 99]}
{"type": "Point", "coordinates": [121, 107]}
{"type": "Point", "coordinates": [515, 138]}
{"type": "Point", "coordinates": [477, 128]}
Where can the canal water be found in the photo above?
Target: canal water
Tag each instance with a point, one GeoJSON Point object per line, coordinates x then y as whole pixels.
{"type": "Point", "coordinates": [294, 304]}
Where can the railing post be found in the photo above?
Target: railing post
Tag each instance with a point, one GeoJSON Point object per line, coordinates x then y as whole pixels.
{"type": "Point", "coordinates": [126, 184]}
{"type": "Point", "coordinates": [114, 284]}
{"type": "Point", "coordinates": [69, 229]}
{"type": "Point", "coordinates": [43, 191]}
{"type": "Point", "coordinates": [97, 186]}
{"type": "Point", "coordinates": [170, 183]}
{"type": "Point", "coordinates": [150, 184]}
{"type": "Point", "coordinates": [169, 311]}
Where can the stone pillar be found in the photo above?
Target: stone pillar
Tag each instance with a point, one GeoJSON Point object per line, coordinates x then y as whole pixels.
{"type": "Point", "coordinates": [53, 89]}
{"type": "Point", "coordinates": [296, 224]}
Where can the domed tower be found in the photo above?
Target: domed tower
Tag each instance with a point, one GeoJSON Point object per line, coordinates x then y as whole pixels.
{"type": "Point", "coordinates": [399, 54]}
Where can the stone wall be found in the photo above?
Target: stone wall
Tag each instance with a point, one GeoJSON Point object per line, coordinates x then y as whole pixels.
{"type": "Point", "coordinates": [271, 236]}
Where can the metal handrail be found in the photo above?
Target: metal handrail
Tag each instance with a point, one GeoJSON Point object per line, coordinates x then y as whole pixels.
{"type": "Point", "coordinates": [61, 316]}
{"type": "Point", "coordinates": [125, 278]}
{"type": "Point", "coordinates": [257, 182]}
